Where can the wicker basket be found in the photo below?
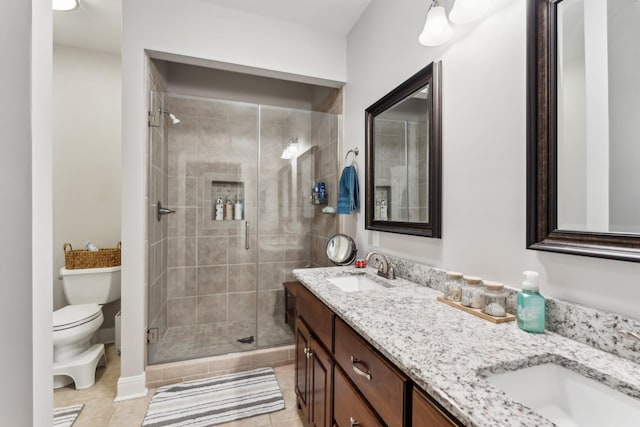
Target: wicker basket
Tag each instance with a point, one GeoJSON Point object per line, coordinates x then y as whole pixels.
{"type": "Point", "coordinates": [81, 258]}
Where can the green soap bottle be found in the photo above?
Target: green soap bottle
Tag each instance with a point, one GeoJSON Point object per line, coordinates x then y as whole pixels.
{"type": "Point", "coordinates": [530, 308]}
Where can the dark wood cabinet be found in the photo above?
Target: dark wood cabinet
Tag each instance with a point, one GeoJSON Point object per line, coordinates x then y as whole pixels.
{"type": "Point", "coordinates": [314, 368]}
{"type": "Point", "coordinates": [320, 414]}
{"type": "Point", "coordinates": [342, 381]}
{"type": "Point", "coordinates": [303, 368]}
{"type": "Point", "coordinates": [351, 409]}
{"type": "Point", "coordinates": [427, 413]}
{"type": "Point", "coordinates": [381, 383]}
{"type": "Point", "coordinates": [290, 289]}
{"type": "Point", "coordinates": [314, 379]}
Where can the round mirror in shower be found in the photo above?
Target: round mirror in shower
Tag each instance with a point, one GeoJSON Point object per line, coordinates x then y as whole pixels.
{"type": "Point", "coordinates": [341, 249]}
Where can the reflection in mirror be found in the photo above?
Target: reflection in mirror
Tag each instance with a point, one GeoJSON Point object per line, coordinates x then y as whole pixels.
{"type": "Point", "coordinates": [598, 107]}
{"type": "Point", "coordinates": [341, 249]}
{"type": "Point", "coordinates": [403, 157]}
{"type": "Point", "coordinates": [583, 156]}
{"type": "Point", "coordinates": [401, 147]}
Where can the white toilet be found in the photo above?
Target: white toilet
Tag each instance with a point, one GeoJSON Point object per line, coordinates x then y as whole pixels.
{"type": "Point", "coordinates": [74, 358]}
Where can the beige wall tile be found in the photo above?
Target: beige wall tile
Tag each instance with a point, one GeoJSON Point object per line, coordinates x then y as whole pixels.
{"type": "Point", "coordinates": [242, 306]}
{"type": "Point", "coordinates": [212, 280]}
{"type": "Point", "coordinates": [242, 277]}
{"type": "Point", "coordinates": [181, 282]}
{"type": "Point", "coordinates": [212, 251]}
{"type": "Point", "coordinates": [181, 311]}
{"type": "Point", "coordinates": [181, 252]}
{"type": "Point", "coordinates": [270, 275]}
{"type": "Point", "coordinates": [212, 308]}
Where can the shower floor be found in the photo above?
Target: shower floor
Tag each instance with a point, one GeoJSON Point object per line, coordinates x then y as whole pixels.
{"type": "Point", "coordinates": [211, 339]}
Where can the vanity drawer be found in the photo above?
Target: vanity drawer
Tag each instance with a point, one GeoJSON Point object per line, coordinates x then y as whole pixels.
{"type": "Point", "coordinates": [350, 409]}
{"type": "Point", "coordinates": [316, 315]}
{"type": "Point", "coordinates": [383, 385]}
{"type": "Point", "coordinates": [426, 413]}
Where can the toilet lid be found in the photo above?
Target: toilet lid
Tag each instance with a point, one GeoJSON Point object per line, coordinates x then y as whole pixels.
{"type": "Point", "coordinates": [74, 315]}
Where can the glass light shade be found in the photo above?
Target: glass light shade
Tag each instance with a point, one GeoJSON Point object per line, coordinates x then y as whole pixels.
{"type": "Point", "coordinates": [290, 151]}
{"type": "Point", "coordinates": [436, 29]}
{"type": "Point", "coordinates": [64, 5]}
{"type": "Point", "coordinates": [465, 11]}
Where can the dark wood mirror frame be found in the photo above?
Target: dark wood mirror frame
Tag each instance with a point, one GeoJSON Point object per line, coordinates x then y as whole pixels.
{"type": "Point", "coordinates": [542, 214]}
{"type": "Point", "coordinates": [429, 75]}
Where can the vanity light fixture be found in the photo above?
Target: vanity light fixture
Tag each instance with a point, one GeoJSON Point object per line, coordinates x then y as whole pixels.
{"type": "Point", "coordinates": [65, 5]}
{"type": "Point", "coordinates": [437, 29]}
{"type": "Point", "coordinates": [290, 150]}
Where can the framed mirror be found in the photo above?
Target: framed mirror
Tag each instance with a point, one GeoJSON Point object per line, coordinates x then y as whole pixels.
{"type": "Point", "coordinates": [403, 157]}
{"type": "Point", "coordinates": [583, 127]}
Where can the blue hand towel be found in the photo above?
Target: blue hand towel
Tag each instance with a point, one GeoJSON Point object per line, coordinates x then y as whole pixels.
{"type": "Point", "coordinates": [348, 193]}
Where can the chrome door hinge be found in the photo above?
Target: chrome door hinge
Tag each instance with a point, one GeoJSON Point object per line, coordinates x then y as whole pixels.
{"type": "Point", "coordinates": [152, 335]}
{"type": "Point", "coordinates": [153, 120]}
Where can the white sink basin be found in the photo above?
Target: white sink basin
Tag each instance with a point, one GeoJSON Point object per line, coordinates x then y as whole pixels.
{"type": "Point", "coordinates": [567, 398]}
{"type": "Point", "coordinates": [355, 283]}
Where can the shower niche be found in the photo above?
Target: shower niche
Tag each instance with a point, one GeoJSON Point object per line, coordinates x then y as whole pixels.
{"type": "Point", "coordinates": [227, 200]}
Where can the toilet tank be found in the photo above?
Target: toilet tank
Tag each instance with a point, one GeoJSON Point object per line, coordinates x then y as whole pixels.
{"type": "Point", "coordinates": [91, 285]}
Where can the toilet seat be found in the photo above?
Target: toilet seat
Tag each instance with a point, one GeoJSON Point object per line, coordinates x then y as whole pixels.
{"type": "Point", "coordinates": [75, 315]}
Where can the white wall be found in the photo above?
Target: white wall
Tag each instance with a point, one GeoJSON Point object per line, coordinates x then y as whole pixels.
{"type": "Point", "coordinates": [25, 229]}
{"type": "Point", "coordinates": [192, 28]}
{"type": "Point", "coordinates": [86, 156]}
{"type": "Point", "coordinates": [42, 215]}
{"type": "Point", "coordinates": [484, 155]}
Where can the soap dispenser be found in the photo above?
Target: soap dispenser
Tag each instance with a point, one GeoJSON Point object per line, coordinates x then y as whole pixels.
{"type": "Point", "coordinates": [530, 310]}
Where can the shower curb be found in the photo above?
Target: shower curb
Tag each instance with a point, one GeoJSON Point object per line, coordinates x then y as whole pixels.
{"type": "Point", "coordinates": [176, 372]}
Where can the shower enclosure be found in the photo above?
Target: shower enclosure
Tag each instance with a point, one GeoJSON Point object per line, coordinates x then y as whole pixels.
{"type": "Point", "coordinates": [401, 192]}
{"type": "Point", "coordinates": [234, 183]}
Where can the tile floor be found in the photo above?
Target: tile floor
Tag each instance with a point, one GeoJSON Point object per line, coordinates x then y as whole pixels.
{"type": "Point", "coordinates": [101, 411]}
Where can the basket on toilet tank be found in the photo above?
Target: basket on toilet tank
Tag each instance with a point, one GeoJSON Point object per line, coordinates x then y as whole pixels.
{"type": "Point", "coordinates": [82, 258]}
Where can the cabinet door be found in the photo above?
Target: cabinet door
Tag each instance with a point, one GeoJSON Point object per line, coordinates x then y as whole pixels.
{"type": "Point", "coordinates": [427, 414]}
{"type": "Point", "coordinates": [321, 387]}
{"type": "Point", "coordinates": [303, 368]}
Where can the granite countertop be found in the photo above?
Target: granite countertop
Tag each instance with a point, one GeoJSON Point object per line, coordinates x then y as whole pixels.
{"type": "Point", "coordinates": [446, 351]}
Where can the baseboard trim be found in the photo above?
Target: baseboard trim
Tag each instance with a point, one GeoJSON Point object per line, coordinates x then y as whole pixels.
{"type": "Point", "coordinates": [131, 387]}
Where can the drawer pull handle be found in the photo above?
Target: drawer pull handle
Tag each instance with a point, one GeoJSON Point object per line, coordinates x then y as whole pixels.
{"type": "Point", "coordinates": [354, 422]}
{"type": "Point", "coordinates": [366, 373]}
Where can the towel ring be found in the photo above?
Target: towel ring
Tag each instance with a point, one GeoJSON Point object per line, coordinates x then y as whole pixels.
{"type": "Point", "coordinates": [355, 152]}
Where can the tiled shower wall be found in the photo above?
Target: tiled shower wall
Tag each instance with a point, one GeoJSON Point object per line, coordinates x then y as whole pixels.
{"type": "Point", "coordinates": [325, 135]}
{"type": "Point", "coordinates": [157, 231]}
{"type": "Point", "coordinates": [399, 180]}
{"type": "Point", "coordinates": [212, 278]}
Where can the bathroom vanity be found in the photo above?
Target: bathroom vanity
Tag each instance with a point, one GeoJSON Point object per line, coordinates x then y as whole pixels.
{"type": "Point", "coordinates": [394, 356]}
{"type": "Point", "coordinates": [367, 387]}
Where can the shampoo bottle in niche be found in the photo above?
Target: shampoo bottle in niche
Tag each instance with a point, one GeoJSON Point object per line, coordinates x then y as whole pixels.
{"type": "Point", "coordinates": [530, 309]}
{"type": "Point", "coordinates": [237, 212]}
{"type": "Point", "coordinates": [228, 210]}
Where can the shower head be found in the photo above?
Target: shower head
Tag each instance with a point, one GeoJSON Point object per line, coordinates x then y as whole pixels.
{"type": "Point", "coordinates": [174, 119]}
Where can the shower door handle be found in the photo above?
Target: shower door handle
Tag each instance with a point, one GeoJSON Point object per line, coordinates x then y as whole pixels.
{"type": "Point", "coordinates": [246, 235]}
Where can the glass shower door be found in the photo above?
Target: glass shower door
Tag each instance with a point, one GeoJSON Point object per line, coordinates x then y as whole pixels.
{"type": "Point", "coordinates": [209, 299]}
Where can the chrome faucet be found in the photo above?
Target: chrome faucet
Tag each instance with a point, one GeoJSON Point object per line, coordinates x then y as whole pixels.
{"type": "Point", "coordinates": [384, 268]}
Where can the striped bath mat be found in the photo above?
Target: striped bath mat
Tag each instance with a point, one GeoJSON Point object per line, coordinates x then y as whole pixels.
{"type": "Point", "coordinates": [65, 417]}
{"type": "Point", "coordinates": [213, 401]}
